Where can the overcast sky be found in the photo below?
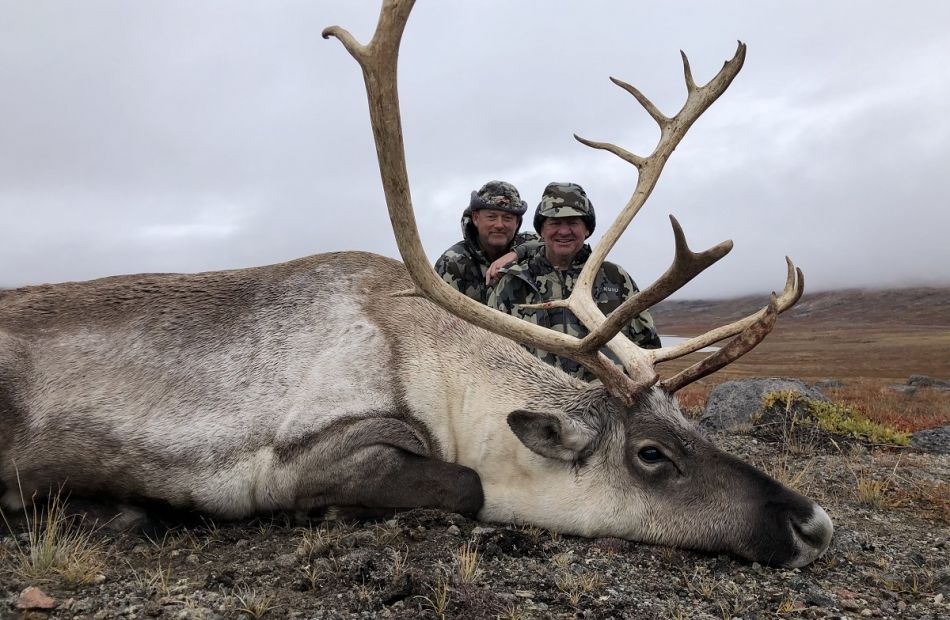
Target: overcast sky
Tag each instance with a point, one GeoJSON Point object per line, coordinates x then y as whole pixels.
{"type": "Point", "coordinates": [191, 136]}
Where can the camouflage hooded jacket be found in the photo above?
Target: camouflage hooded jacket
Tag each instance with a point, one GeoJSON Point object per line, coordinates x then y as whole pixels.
{"type": "Point", "coordinates": [464, 264]}
{"type": "Point", "coordinates": [536, 280]}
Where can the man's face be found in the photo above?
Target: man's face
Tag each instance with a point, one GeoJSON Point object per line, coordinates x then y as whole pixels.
{"type": "Point", "coordinates": [563, 238]}
{"type": "Point", "coordinates": [496, 229]}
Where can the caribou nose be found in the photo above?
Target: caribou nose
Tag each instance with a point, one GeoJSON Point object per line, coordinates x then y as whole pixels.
{"type": "Point", "coordinates": [813, 536]}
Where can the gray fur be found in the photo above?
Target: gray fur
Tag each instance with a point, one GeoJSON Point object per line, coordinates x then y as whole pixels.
{"type": "Point", "coordinates": [307, 384]}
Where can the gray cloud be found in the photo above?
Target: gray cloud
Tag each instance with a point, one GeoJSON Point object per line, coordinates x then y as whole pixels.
{"type": "Point", "coordinates": [183, 136]}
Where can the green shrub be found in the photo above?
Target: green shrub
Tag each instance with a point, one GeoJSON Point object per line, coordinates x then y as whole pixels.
{"type": "Point", "coordinates": [836, 418]}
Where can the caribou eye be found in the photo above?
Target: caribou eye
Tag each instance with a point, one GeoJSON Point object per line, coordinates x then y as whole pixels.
{"type": "Point", "coordinates": [651, 455]}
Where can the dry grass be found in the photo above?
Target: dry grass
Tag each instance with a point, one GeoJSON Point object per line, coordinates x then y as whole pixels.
{"type": "Point", "coordinates": [789, 606]}
{"type": "Point", "coordinates": [467, 560]}
{"type": "Point", "coordinates": [926, 408]}
{"type": "Point", "coordinates": [399, 561]}
{"type": "Point", "coordinates": [692, 398]}
{"type": "Point", "coordinates": [871, 492]}
{"type": "Point", "coordinates": [576, 585]}
{"type": "Point", "coordinates": [785, 471]}
{"type": "Point", "coordinates": [441, 596]}
{"type": "Point", "coordinates": [321, 540]}
{"type": "Point", "coordinates": [930, 500]}
{"type": "Point", "coordinates": [251, 603]}
{"type": "Point", "coordinates": [156, 579]}
{"type": "Point", "coordinates": [58, 546]}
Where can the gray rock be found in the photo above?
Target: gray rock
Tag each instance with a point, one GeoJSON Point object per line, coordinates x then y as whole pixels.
{"type": "Point", "coordinates": [829, 383]}
{"type": "Point", "coordinates": [932, 440]}
{"type": "Point", "coordinates": [925, 381]}
{"type": "Point", "coordinates": [909, 390]}
{"type": "Point", "coordinates": [735, 405]}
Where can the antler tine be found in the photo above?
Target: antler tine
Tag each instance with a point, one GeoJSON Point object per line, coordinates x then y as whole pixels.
{"type": "Point", "coordinates": [623, 154]}
{"type": "Point", "coordinates": [378, 60]}
{"type": "Point", "coordinates": [672, 131]}
{"type": "Point", "coordinates": [686, 266]}
{"type": "Point", "coordinates": [661, 119]}
{"type": "Point", "coordinates": [742, 344]}
{"type": "Point", "coordinates": [688, 73]}
{"type": "Point", "coordinates": [794, 287]}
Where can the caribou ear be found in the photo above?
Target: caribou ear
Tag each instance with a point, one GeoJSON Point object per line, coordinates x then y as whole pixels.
{"type": "Point", "coordinates": [551, 435]}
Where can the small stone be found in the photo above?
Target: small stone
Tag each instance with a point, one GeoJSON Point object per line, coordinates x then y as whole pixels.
{"type": "Point", "coordinates": [34, 598]}
{"type": "Point", "coordinates": [241, 543]}
{"type": "Point", "coordinates": [482, 531]}
{"type": "Point", "coordinates": [288, 560]}
{"type": "Point", "coordinates": [192, 559]}
{"type": "Point", "coordinates": [867, 613]}
{"type": "Point", "coordinates": [100, 578]}
{"type": "Point", "coordinates": [453, 530]}
{"type": "Point", "coordinates": [938, 598]}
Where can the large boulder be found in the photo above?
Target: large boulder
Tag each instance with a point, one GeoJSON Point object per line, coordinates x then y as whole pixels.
{"type": "Point", "coordinates": [738, 405]}
{"type": "Point", "coordinates": [925, 381]}
{"type": "Point", "coordinates": [932, 440]}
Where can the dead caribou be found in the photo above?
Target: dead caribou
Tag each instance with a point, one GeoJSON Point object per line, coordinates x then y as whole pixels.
{"type": "Point", "coordinates": [352, 379]}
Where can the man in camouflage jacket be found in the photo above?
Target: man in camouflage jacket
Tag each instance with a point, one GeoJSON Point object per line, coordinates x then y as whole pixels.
{"type": "Point", "coordinates": [565, 219]}
{"type": "Point", "coordinates": [489, 227]}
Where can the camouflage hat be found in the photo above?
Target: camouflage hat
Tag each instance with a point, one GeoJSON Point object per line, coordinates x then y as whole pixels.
{"type": "Point", "coordinates": [499, 196]}
{"type": "Point", "coordinates": [565, 200]}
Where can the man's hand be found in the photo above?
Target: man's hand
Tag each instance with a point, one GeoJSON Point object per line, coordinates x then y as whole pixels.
{"type": "Point", "coordinates": [492, 275]}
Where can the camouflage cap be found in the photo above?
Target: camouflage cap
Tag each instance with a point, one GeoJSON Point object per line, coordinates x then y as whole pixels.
{"type": "Point", "coordinates": [500, 196]}
{"type": "Point", "coordinates": [565, 200]}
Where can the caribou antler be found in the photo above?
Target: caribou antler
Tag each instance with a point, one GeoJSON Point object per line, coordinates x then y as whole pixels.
{"type": "Point", "coordinates": [378, 60]}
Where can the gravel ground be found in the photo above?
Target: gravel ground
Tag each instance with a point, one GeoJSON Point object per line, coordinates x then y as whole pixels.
{"type": "Point", "coordinates": [890, 559]}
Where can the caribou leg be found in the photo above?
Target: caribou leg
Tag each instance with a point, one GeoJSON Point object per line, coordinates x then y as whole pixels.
{"type": "Point", "coordinates": [351, 467]}
{"type": "Point", "coordinates": [413, 481]}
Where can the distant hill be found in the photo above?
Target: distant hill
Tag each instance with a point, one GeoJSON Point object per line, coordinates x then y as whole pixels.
{"type": "Point", "coordinates": [923, 307]}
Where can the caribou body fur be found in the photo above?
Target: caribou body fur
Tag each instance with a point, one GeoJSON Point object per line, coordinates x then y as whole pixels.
{"type": "Point", "coordinates": [307, 384]}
